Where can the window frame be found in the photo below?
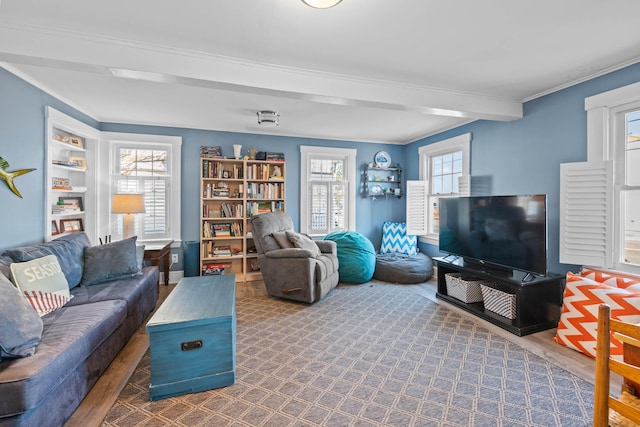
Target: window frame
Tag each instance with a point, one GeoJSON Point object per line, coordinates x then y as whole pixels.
{"type": "Point", "coordinates": [308, 153]}
{"type": "Point", "coordinates": [426, 153]}
{"type": "Point", "coordinates": [173, 144]}
{"type": "Point", "coordinates": [605, 131]}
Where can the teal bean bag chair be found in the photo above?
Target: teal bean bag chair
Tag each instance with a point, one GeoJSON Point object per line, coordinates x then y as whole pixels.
{"type": "Point", "coordinates": [356, 256]}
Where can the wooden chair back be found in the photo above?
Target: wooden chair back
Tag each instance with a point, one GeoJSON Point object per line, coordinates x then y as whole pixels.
{"type": "Point", "coordinates": [603, 400]}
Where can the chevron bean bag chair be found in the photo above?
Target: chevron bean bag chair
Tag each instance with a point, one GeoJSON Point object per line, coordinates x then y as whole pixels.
{"type": "Point", "coordinates": [356, 256]}
{"type": "Point", "coordinates": [399, 260]}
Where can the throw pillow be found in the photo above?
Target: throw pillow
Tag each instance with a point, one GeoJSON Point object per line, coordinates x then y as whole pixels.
{"type": "Point", "coordinates": [112, 261]}
{"type": "Point", "coordinates": [21, 329]}
{"type": "Point", "coordinates": [621, 281]}
{"type": "Point", "coordinates": [579, 318]}
{"type": "Point", "coordinates": [42, 282]}
{"type": "Point", "coordinates": [281, 239]}
{"type": "Point", "coordinates": [69, 248]}
{"type": "Point", "coordinates": [396, 241]}
{"type": "Point", "coordinates": [304, 242]}
{"type": "Point", "coordinates": [140, 256]}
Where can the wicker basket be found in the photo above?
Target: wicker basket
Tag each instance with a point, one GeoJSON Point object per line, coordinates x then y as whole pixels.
{"type": "Point", "coordinates": [499, 302]}
{"type": "Point", "coordinates": [463, 287]}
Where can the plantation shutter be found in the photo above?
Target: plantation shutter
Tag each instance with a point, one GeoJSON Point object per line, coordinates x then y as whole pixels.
{"type": "Point", "coordinates": [417, 207]}
{"type": "Point", "coordinates": [586, 223]}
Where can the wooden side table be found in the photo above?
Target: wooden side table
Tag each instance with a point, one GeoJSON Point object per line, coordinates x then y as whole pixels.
{"type": "Point", "coordinates": [159, 252]}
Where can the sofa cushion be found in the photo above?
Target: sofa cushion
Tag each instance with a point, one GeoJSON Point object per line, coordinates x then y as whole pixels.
{"type": "Point", "coordinates": [127, 289]}
{"type": "Point", "coordinates": [68, 248]}
{"type": "Point", "coordinates": [21, 326]}
{"type": "Point", "coordinates": [579, 317]}
{"type": "Point", "coordinates": [42, 283]}
{"type": "Point", "coordinates": [303, 242]}
{"type": "Point", "coordinates": [70, 335]}
{"type": "Point", "coordinates": [108, 262]}
{"type": "Point", "coordinates": [396, 241]}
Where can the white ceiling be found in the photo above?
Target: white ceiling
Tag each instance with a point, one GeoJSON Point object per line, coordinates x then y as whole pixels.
{"type": "Point", "coordinates": [365, 70]}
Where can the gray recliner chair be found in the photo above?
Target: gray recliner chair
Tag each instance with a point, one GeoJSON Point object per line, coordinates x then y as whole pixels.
{"type": "Point", "coordinates": [292, 265]}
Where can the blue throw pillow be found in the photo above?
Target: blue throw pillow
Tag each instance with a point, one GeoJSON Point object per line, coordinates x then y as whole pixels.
{"type": "Point", "coordinates": [112, 261]}
{"type": "Point", "coordinates": [396, 241]}
{"type": "Point", "coordinates": [68, 248]}
{"type": "Point", "coordinates": [21, 329]}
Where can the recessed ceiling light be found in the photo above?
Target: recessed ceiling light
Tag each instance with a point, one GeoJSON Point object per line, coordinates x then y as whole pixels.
{"type": "Point", "coordinates": [321, 4]}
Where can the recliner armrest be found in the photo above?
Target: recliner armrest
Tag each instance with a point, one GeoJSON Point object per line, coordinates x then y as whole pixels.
{"type": "Point", "coordinates": [290, 253]}
{"type": "Point", "coordinates": [327, 246]}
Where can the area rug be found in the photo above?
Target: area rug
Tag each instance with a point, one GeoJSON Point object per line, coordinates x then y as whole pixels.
{"type": "Point", "coordinates": [368, 355]}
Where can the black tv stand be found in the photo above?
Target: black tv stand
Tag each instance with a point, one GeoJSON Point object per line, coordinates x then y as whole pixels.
{"type": "Point", "coordinates": [538, 298]}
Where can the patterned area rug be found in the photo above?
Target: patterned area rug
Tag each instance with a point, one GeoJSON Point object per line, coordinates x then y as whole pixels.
{"type": "Point", "coordinates": [368, 355]}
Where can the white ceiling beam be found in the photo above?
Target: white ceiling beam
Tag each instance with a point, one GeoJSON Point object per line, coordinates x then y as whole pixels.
{"type": "Point", "coordinates": [82, 52]}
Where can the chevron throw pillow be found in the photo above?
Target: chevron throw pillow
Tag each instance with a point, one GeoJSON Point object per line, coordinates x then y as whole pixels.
{"type": "Point", "coordinates": [622, 281]}
{"type": "Point", "coordinates": [579, 318]}
{"type": "Point", "coordinates": [396, 241]}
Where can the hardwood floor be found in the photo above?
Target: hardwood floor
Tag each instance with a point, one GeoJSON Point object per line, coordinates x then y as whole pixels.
{"type": "Point", "coordinates": [102, 396]}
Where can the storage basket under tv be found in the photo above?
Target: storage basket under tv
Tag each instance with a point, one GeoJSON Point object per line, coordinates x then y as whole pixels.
{"type": "Point", "coordinates": [463, 287]}
{"type": "Point", "coordinates": [499, 302]}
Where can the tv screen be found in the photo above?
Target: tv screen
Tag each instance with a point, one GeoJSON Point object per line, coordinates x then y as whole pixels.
{"type": "Point", "coordinates": [507, 231]}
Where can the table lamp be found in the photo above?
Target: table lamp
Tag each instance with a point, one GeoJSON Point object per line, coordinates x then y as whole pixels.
{"type": "Point", "coordinates": [127, 204]}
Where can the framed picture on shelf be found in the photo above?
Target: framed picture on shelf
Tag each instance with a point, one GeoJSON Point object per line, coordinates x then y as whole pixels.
{"type": "Point", "coordinates": [76, 141]}
{"type": "Point", "coordinates": [79, 163]}
{"type": "Point", "coordinates": [226, 173]}
{"type": "Point", "coordinates": [54, 228]}
{"type": "Point", "coordinates": [71, 225]}
{"type": "Point", "coordinates": [73, 203]}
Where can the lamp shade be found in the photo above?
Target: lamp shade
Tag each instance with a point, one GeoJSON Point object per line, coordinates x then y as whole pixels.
{"type": "Point", "coordinates": [127, 203]}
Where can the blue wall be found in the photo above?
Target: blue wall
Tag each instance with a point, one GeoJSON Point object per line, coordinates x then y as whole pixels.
{"type": "Point", "coordinates": [524, 156]}
{"type": "Point", "coordinates": [519, 157]}
{"type": "Point", "coordinates": [22, 133]}
{"type": "Point", "coordinates": [369, 221]}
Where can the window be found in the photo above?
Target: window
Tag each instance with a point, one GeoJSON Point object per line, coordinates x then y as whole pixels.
{"type": "Point", "coordinates": [628, 186]}
{"type": "Point", "coordinates": [601, 227]}
{"type": "Point", "coordinates": [150, 165]}
{"type": "Point", "coordinates": [444, 172]}
{"type": "Point", "coordinates": [327, 202]}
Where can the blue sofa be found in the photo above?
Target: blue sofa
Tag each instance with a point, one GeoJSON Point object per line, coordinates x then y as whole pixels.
{"type": "Point", "coordinates": [78, 341]}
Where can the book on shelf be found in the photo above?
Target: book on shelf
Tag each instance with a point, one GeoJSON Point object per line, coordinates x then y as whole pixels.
{"type": "Point", "coordinates": [215, 269]}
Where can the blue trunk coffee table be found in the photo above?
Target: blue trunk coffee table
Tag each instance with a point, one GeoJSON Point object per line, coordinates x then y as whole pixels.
{"type": "Point", "coordinates": [192, 337]}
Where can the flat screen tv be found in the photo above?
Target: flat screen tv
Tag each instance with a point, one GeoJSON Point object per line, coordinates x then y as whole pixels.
{"type": "Point", "coordinates": [500, 231]}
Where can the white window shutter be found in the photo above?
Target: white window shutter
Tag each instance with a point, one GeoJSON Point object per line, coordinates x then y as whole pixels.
{"type": "Point", "coordinates": [417, 207]}
{"type": "Point", "coordinates": [464, 186]}
{"type": "Point", "coordinates": [586, 223]}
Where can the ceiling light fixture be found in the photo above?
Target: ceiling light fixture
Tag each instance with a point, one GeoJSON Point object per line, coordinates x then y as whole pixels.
{"type": "Point", "coordinates": [321, 4]}
{"type": "Point", "coordinates": [268, 118]}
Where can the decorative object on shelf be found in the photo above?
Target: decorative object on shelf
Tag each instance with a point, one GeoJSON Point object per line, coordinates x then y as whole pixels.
{"type": "Point", "coordinates": [128, 205]}
{"type": "Point", "coordinates": [236, 151]}
{"type": "Point", "coordinates": [79, 163]}
{"type": "Point", "coordinates": [376, 190]}
{"type": "Point", "coordinates": [8, 177]}
{"type": "Point", "coordinates": [321, 4]}
{"type": "Point", "coordinates": [71, 204]}
{"type": "Point", "coordinates": [268, 118]}
{"type": "Point", "coordinates": [382, 159]}
{"type": "Point", "coordinates": [76, 141]}
{"type": "Point", "coordinates": [252, 153]}
{"type": "Point", "coordinates": [277, 173]}
{"type": "Point", "coordinates": [210, 152]}
{"type": "Point", "coordinates": [71, 225]}
{"type": "Point", "coordinates": [54, 228]}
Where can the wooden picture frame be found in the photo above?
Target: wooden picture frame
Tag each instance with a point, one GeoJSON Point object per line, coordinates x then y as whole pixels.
{"type": "Point", "coordinates": [76, 141]}
{"type": "Point", "coordinates": [74, 201]}
{"type": "Point", "coordinates": [71, 225]}
{"type": "Point", "coordinates": [54, 228]}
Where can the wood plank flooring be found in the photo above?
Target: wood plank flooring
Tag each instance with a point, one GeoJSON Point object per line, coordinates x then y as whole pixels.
{"type": "Point", "coordinates": [101, 398]}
